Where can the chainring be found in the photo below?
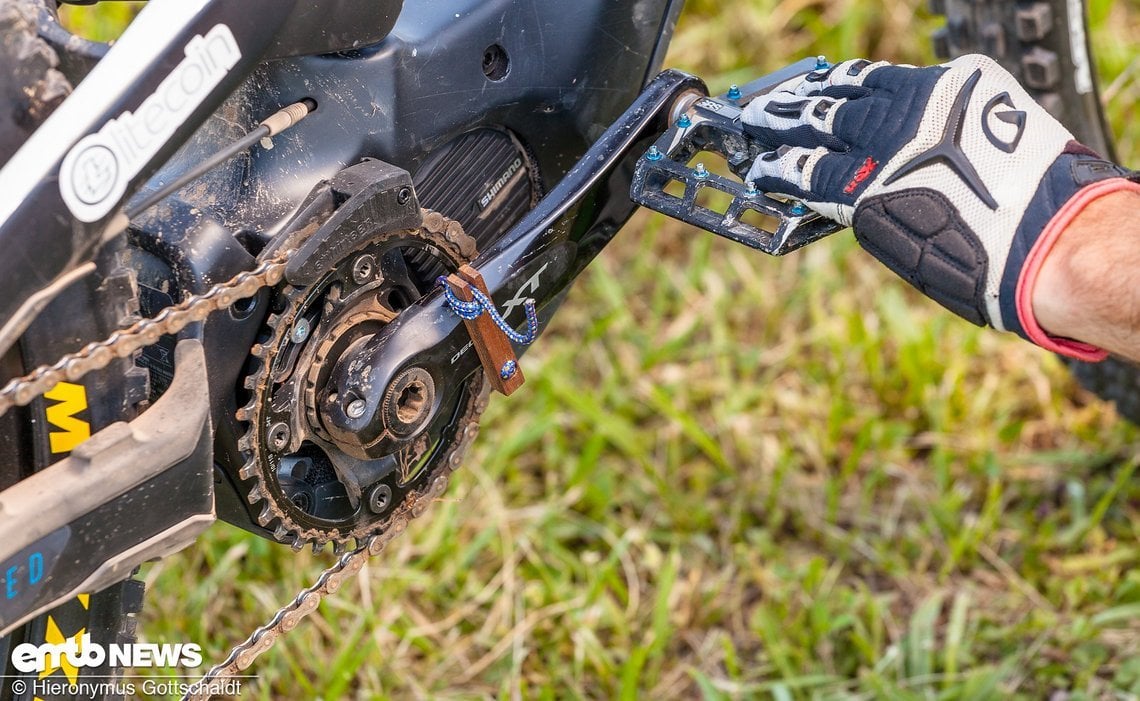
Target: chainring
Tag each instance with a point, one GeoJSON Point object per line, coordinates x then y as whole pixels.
{"type": "Point", "coordinates": [309, 489]}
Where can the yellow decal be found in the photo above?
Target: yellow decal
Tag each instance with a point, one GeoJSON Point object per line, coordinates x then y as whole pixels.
{"type": "Point", "coordinates": [72, 400]}
{"type": "Point", "coordinates": [55, 636]}
{"type": "Point", "coordinates": [84, 599]}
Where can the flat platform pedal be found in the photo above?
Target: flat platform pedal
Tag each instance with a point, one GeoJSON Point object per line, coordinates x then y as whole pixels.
{"type": "Point", "coordinates": [712, 124]}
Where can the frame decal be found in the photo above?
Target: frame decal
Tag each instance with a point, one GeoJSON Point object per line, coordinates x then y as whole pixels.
{"type": "Point", "coordinates": [95, 172]}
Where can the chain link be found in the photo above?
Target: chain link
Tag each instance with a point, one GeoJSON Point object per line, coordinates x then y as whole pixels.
{"type": "Point", "coordinates": [20, 391]}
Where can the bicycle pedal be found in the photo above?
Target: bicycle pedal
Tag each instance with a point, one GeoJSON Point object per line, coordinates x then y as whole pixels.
{"type": "Point", "coordinates": [712, 124]}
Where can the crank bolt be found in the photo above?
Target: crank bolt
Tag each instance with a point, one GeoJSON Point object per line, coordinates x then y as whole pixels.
{"type": "Point", "coordinates": [380, 498]}
{"type": "Point", "coordinates": [750, 189]}
{"type": "Point", "coordinates": [509, 369]}
{"type": "Point", "coordinates": [300, 331]}
{"type": "Point", "coordinates": [355, 408]}
{"type": "Point", "coordinates": [700, 171]}
{"type": "Point", "coordinates": [362, 269]}
{"type": "Point", "coordinates": [279, 436]}
{"type": "Point", "coordinates": [733, 92]}
{"type": "Point", "coordinates": [798, 209]}
{"type": "Point", "coordinates": [653, 154]}
{"type": "Point", "coordinates": [821, 63]}
{"type": "Point", "coordinates": [684, 122]}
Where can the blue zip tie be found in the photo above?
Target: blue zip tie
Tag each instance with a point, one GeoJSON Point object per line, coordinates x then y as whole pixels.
{"type": "Point", "coordinates": [482, 303]}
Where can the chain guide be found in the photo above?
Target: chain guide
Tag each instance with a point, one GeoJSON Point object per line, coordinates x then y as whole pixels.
{"type": "Point", "coordinates": [308, 489]}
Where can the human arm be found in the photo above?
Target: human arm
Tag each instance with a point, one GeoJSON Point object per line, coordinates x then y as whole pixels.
{"type": "Point", "coordinates": [1089, 284]}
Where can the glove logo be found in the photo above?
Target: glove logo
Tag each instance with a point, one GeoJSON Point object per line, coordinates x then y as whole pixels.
{"type": "Point", "coordinates": [1012, 116]}
{"type": "Point", "coordinates": [861, 175]}
{"type": "Point", "coordinates": [948, 150]}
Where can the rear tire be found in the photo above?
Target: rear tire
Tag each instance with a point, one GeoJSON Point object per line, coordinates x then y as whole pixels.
{"type": "Point", "coordinates": [1045, 44]}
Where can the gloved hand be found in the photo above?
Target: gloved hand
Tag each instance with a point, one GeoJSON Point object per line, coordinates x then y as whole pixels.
{"type": "Point", "coordinates": [950, 175]}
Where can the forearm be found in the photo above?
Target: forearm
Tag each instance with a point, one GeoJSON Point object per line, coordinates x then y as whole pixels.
{"type": "Point", "coordinates": [1088, 288]}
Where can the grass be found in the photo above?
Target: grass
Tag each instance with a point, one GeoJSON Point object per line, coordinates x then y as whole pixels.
{"type": "Point", "coordinates": [730, 477]}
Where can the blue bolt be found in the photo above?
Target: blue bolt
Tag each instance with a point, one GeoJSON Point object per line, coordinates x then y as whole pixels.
{"type": "Point", "coordinates": [509, 369]}
{"type": "Point", "coordinates": [821, 63]}
{"type": "Point", "coordinates": [653, 154]}
{"type": "Point", "coordinates": [733, 92]}
{"type": "Point", "coordinates": [684, 122]}
{"type": "Point", "coordinates": [798, 209]}
{"type": "Point", "coordinates": [750, 189]}
{"type": "Point", "coordinates": [700, 171]}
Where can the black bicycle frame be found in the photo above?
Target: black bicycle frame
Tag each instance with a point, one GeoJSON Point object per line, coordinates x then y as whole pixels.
{"type": "Point", "coordinates": [173, 69]}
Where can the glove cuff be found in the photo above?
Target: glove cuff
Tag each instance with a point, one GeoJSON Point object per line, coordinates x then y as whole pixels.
{"type": "Point", "coordinates": [1030, 252]}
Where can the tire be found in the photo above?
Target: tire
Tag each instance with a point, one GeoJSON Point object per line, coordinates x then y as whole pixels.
{"type": "Point", "coordinates": [1047, 48]}
{"type": "Point", "coordinates": [30, 88]}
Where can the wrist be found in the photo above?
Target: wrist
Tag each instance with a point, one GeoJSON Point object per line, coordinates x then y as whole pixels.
{"type": "Point", "coordinates": [1081, 293]}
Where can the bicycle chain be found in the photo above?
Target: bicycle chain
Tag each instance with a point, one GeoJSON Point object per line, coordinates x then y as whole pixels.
{"type": "Point", "coordinates": [330, 580]}
{"type": "Point", "coordinates": [20, 391]}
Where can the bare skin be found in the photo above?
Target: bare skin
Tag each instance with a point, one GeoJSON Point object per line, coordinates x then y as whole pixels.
{"type": "Point", "coordinates": [1089, 285]}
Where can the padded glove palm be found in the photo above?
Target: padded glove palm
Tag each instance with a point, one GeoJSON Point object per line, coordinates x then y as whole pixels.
{"type": "Point", "coordinates": [950, 175]}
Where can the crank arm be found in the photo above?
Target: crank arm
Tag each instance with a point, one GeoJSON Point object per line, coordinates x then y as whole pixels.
{"type": "Point", "coordinates": [130, 493]}
{"type": "Point", "coordinates": [539, 258]}
{"type": "Point", "coordinates": [712, 124]}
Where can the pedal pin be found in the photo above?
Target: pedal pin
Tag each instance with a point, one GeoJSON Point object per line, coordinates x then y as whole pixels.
{"type": "Point", "coordinates": [733, 92]}
{"type": "Point", "coordinates": [750, 189]}
{"type": "Point", "coordinates": [799, 209]}
{"type": "Point", "coordinates": [821, 63]}
{"type": "Point", "coordinates": [700, 171]}
{"type": "Point", "coordinates": [684, 122]}
{"type": "Point", "coordinates": [653, 154]}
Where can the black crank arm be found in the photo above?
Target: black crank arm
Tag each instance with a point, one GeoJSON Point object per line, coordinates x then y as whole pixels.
{"type": "Point", "coordinates": [539, 258]}
{"type": "Point", "coordinates": [130, 493]}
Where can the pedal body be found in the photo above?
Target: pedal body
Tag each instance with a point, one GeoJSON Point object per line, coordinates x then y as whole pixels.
{"type": "Point", "coordinates": [713, 124]}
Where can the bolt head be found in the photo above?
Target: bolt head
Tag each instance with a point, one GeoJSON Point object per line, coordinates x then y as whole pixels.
{"type": "Point", "coordinates": [508, 370]}
{"type": "Point", "coordinates": [300, 330]}
{"type": "Point", "coordinates": [363, 268]}
{"type": "Point", "coordinates": [355, 408]}
{"type": "Point", "coordinates": [279, 435]}
{"type": "Point", "coordinates": [380, 498]}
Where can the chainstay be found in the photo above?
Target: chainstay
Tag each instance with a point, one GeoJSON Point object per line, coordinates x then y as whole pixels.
{"type": "Point", "coordinates": [287, 617]}
{"type": "Point", "coordinates": [20, 391]}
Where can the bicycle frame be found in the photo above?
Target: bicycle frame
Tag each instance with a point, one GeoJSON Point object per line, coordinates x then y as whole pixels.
{"type": "Point", "coordinates": [159, 84]}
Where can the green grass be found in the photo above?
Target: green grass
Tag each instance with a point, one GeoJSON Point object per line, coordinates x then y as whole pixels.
{"type": "Point", "coordinates": [730, 476]}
